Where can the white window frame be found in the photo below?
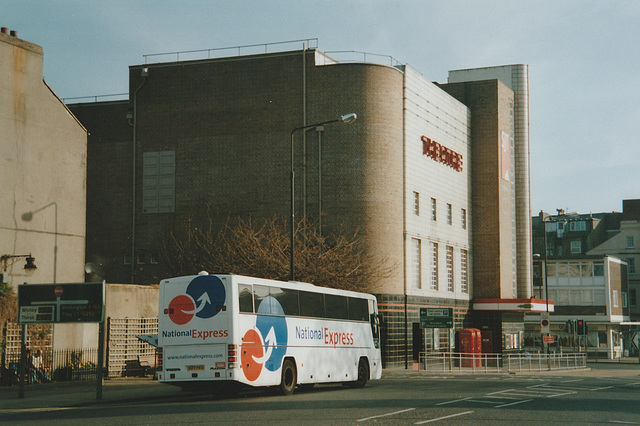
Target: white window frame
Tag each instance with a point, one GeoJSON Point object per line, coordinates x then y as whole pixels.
{"type": "Point", "coordinates": [449, 264]}
{"type": "Point", "coordinates": [464, 271]}
{"type": "Point", "coordinates": [416, 264]}
{"type": "Point", "coordinates": [416, 203]}
{"type": "Point", "coordinates": [434, 266]}
{"type": "Point", "coordinates": [434, 209]}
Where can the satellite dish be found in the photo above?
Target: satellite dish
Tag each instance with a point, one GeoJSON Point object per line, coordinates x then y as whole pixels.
{"type": "Point", "coordinates": [89, 267]}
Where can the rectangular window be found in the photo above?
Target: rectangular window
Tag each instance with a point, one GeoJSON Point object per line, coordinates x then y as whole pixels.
{"type": "Point", "coordinates": [630, 242]}
{"type": "Point", "coordinates": [158, 182]}
{"type": "Point", "coordinates": [434, 209]}
{"type": "Point", "coordinates": [632, 297]}
{"type": "Point", "coordinates": [625, 301]}
{"type": "Point", "coordinates": [434, 266]}
{"type": "Point", "coordinates": [449, 261]}
{"type": "Point", "coordinates": [336, 306]}
{"type": "Point", "coordinates": [416, 264]}
{"type": "Point", "coordinates": [598, 269]}
{"type": "Point", "coordinates": [616, 301]}
{"type": "Point", "coordinates": [463, 213]}
{"type": "Point", "coordinates": [287, 298]}
{"type": "Point", "coordinates": [245, 298]}
{"type": "Point", "coordinates": [576, 246]}
{"type": "Point", "coordinates": [631, 263]}
{"type": "Point", "coordinates": [416, 203]}
{"type": "Point", "coordinates": [358, 309]}
{"type": "Point", "coordinates": [311, 304]}
{"type": "Point", "coordinates": [578, 226]}
{"type": "Point", "coordinates": [260, 294]}
{"type": "Point", "coordinates": [464, 268]}
{"type": "Point", "coordinates": [449, 214]}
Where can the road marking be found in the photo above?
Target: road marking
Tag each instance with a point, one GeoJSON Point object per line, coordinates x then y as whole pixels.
{"type": "Point", "coordinates": [35, 410]}
{"type": "Point", "coordinates": [623, 422]}
{"type": "Point", "coordinates": [513, 403]}
{"type": "Point", "coordinates": [602, 388]}
{"type": "Point", "coordinates": [453, 402]}
{"type": "Point", "coordinates": [443, 418]}
{"type": "Point", "coordinates": [385, 415]}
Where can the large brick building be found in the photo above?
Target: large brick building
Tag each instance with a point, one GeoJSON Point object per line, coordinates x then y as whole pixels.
{"type": "Point", "coordinates": [435, 177]}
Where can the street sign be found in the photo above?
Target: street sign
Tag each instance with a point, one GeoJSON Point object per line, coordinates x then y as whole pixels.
{"type": "Point", "coordinates": [60, 303]}
{"type": "Point", "coordinates": [544, 323]}
{"type": "Point", "coordinates": [547, 339]}
{"type": "Point", "coordinates": [436, 317]}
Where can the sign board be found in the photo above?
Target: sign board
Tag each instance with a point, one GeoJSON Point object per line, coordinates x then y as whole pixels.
{"type": "Point", "coordinates": [547, 339]}
{"type": "Point", "coordinates": [60, 303]}
{"type": "Point", "coordinates": [544, 323]}
{"type": "Point", "coordinates": [436, 317]}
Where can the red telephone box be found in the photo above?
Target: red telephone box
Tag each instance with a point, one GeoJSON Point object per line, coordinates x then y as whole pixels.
{"type": "Point", "coordinates": [470, 345]}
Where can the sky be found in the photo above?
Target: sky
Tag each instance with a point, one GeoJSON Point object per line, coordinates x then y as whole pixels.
{"type": "Point", "coordinates": [583, 57]}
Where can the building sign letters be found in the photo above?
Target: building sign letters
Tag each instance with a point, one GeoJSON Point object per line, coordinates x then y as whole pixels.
{"type": "Point", "coordinates": [441, 154]}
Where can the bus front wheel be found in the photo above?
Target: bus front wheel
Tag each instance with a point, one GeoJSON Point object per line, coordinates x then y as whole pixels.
{"type": "Point", "coordinates": [288, 381]}
{"type": "Point", "coordinates": [363, 374]}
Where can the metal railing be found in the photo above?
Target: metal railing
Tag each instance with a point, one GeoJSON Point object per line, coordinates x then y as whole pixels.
{"type": "Point", "coordinates": [219, 52]}
{"type": "Point", "coordinates": [54, 366]}
{"type": "Point", "coordinates": [500, 363]}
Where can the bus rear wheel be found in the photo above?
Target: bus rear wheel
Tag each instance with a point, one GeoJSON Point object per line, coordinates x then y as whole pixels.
{"type": "Point", "coordinates": [363, 374]}
{"type": "Point", "coordinates": [289, 377]}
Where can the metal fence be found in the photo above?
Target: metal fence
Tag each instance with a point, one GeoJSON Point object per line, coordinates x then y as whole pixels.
{"type": "Point", "coordinates": [52, 366]}
{"type": "Point", "coordinates": [500, 363]}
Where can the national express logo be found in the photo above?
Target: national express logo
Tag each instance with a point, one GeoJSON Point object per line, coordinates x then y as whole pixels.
{"type": "Point", "coordinates": [204, 299]}
{"type": "Point", "coordinates": [265, 345]}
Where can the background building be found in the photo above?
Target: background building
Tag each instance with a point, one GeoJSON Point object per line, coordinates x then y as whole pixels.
{"type": "Point", "coordinates": [43, 160]}
{"type": "Point", "coordinates": [591, 276]}
{"type": "Point", "coordinates": [211, 138]}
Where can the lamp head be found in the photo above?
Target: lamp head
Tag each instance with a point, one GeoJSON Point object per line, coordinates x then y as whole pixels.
{"type": "Point", "coordinates": [349, 118]}
{"type": "Point", "coordinates": [30, 266]}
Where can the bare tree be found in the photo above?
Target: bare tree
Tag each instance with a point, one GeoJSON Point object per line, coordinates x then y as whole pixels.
{"type": "Point", "coordinates": [260, 247]}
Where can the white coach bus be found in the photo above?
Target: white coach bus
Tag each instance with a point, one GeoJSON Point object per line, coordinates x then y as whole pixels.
{"type": "Point", "coordinates": [232, 328]}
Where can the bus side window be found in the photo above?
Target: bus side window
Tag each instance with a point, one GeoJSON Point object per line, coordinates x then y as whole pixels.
{"type": "Point", "coordinates": [358, 309]}
{"type": "Point", "coordinates": [311, 304]}
{"type": "Point", "coordinates": [245, 298]}
{"type": "Point", "coordinates": [260, 293]}
{"type": "Point", "coordinates": [287, 298]}
{"type": "Point", "coordinates": [336, 306]}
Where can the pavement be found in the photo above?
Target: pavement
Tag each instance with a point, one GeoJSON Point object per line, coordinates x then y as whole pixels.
{"type": "Point", "coordinates": [63, 395]}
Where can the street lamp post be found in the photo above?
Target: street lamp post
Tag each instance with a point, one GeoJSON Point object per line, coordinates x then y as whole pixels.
{"type": "Point", "coordinates": [546, 286]}
{"type": "Point", "coordinates": [347, 119]}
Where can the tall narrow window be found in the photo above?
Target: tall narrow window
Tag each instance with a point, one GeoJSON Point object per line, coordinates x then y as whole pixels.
{"type": "Point", "coordinates": [449, 261]}
{"type": "Point", "coordinates": [449, 214]}
{"type": "Point", "coordinates": [416, 263]}
{"type": "Point", "coordinates": [463, 214]}
{"type": "Point", "coordinates": [630, 242]}
{"type": "Point", "coordinates": [464, 267]}
{"type": "Point", "coordinates": [158, 182]}
{"type": "Point", "coordinates": [434, 209]}
{"type": "Point", "coordinates": [416, 203]}
{"type": "Point", "coordinates": [434, 266]}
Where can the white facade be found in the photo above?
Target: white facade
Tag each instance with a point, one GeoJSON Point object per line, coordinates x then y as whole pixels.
{"type": "Point", "coordinates": [442, 271]}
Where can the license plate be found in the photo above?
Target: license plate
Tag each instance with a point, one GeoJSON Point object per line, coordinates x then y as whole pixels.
{"type": "Point", "coordinates": [195, 367]}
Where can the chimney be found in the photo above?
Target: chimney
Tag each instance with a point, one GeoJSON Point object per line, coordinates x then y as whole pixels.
{"type": "Point", "coordinates": [14, 33]}
{"type": "Point", "coordinates": [5, 30]}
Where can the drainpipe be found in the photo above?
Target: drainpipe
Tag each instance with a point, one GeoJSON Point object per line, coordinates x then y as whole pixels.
{"type": "Point", "coordinates": [144, 74]}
